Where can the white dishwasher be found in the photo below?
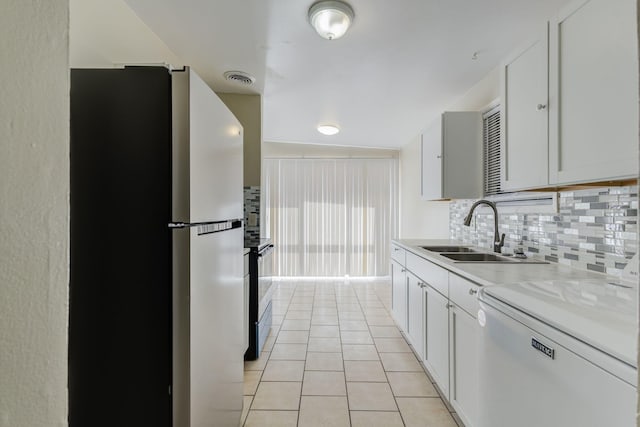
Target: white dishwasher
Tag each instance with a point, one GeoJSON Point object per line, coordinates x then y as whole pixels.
{"type": "Point", "coordinates": [558, 354]}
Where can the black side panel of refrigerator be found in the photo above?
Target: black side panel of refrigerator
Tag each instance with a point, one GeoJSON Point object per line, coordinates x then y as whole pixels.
{"type": "Point", "coordinates": [120, 287]}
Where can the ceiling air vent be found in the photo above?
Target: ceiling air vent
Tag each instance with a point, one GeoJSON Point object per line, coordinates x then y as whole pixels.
{"type": "Point", "coordinates": [240, 77]}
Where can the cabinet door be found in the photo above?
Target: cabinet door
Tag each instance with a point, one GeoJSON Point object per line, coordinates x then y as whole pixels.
{"type": "Point", "coordinates": [462, 155]}
{"type": "Point", "coordinates": [525, 117]}
{"type": "Point", "coordinates": [593, 129]}
{"type": "Point", "coordinates": [437, 338]}
{"type": "Point", "coordinates": [399, 294]}
{"type": "Point", "coordinates": [415, 305]}
{"type": "Point", "coordinates": [431, 162]}
{"type": "Point", "coordinates": [463, 361]}
{"type": "Point", "coordinates": [452, 157]}
{"type": "Point", "coordinates": [398, 254]}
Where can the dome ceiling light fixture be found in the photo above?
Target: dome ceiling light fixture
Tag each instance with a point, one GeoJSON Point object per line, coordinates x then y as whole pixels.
{"type": "Point", "coordinates": [328, 129]}
{"type": "Point", "coordinates": [331, 18]}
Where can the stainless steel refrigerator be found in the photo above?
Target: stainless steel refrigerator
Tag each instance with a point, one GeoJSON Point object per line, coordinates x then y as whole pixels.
{"type": "Point", "coordinates": [156, 289]}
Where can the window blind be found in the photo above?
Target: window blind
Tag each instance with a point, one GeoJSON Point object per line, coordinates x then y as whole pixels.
{"type": "Point", "coordinates": [331, 217]}
{"type": "Point", "coordinates": [491, 141]}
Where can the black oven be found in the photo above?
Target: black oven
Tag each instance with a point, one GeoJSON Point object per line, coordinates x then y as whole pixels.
{"type": "Point", "coordinates": [260, 291]}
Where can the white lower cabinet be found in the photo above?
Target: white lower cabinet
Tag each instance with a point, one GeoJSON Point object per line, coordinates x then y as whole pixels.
{"type": "Point", "coordinates": [399, 294]}
{"type": "Point", "coordinates": [437, 338]}
{"type": "Point", "coordinates": [463, 362]}
{"type": "Point", "coordinates": [437, 310]}
{"type": "Point", "coordinates": [416, 320]}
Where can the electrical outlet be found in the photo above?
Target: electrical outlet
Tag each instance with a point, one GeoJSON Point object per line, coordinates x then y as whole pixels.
{"type": "Point", "coordinates": [253, 220]}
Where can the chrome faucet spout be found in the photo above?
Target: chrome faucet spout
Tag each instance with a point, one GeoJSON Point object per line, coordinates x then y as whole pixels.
{"type": "Point", "coordinates": [498, 241]}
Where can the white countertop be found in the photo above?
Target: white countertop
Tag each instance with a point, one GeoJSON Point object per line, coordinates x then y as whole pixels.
{"type": "Point", "coordinates": [580, 303]}
{"type": "Point", "coordinates": [600, 313]}
{"type": "Point", "coordinates": [489, 274]}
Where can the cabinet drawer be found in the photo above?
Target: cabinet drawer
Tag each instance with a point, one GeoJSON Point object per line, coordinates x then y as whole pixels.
{"type": "Point", "coordinates": [436, 277]}
{"type": "Point", "coordinates": [464, 294]}
{"type": "Point", "coordinates": [398, 254]}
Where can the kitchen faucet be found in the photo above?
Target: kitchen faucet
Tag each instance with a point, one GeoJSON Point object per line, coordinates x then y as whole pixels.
{"type": "Point", "coordinates": [498, 242]}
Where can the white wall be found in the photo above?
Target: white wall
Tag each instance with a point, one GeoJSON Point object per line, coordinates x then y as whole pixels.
{"type": "Point", "coordinates": [292, 150]}
{"type": "Point", "coordinates": [427, 219]}
{"type": "Point", "coordinates": [480, 95]}
{"type": "Point", "coordinates": [418, 218]}
{"type": "Point", "coordinates": [104, 33]}
{"type": "Point", "coordinates": [34, 212]}
{"type": "Point", "coordinates": [248, 110]}
{"type": "Point", "coordinates": [34, 185]}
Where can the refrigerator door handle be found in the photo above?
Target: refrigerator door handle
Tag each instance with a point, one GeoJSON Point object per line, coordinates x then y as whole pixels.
{"type": "Point", "coordinates": [209, 226]}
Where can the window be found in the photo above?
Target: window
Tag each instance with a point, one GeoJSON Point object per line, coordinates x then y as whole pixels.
{"type": "Point", "coordinates": [491, 141]}
{"type": "Point", "coordinates": [331, 217]}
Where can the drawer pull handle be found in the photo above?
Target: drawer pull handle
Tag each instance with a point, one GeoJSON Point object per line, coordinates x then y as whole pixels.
{"type": "Point", "coordinates": [448, 305]}
{"type": "Point", "coordinates": [403, 270]}
{"type": "Point", "coordinates": [472, 291]}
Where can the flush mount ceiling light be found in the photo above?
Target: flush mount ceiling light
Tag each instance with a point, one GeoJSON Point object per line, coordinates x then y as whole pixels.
{"type": "Point", "coordinates": [328, 129]}
{"type": "Point", "coordinates": [330, 18]}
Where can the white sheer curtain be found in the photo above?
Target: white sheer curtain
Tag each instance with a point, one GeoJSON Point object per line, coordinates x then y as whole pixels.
{"type": "Point", "coordinates": [331, 217]}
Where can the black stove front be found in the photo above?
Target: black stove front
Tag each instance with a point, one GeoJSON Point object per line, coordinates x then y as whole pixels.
{"type": "Point", "coordinates": [260, 291]}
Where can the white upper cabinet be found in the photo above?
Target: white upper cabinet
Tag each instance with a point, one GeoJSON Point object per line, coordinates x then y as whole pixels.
{"type": "Point", "coordinates": [593, 87]}
{"type": "Point", "coordinates": [451, 165]}
{"type": "Point", "coordinates": [525, 116]}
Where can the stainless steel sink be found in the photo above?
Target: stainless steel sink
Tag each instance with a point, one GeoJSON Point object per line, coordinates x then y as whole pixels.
{"type": "Point", "coordinates": [487, 257]}
{"type": "Point", "coordinates": [477, 257]}
{"type": "Point", "coordinates": [448, 248]}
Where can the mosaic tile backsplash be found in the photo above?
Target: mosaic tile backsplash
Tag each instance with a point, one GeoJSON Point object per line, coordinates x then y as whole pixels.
{"type": "Point", "coordinates": [252, 206]}
{"type": "Point", "coordinates": [594, 229]}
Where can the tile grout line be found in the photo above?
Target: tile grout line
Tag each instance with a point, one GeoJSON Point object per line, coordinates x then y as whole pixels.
{"type": "Point", "coordinates": [424, 368]}
{"type": "Point", "coordinates": [395, 401]}
{"type": "Point", "coordinates": [304, 366]}
{"type": "Point", "coordinates": [362, 297]}
{"type": "Point", "coordinates": [346, 389]}
{"type": "Point", "coordinates": [269, 357]}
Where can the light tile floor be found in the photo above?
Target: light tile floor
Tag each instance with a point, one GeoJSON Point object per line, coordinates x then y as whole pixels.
{"type": "Point", "coordinates": [335, 358]}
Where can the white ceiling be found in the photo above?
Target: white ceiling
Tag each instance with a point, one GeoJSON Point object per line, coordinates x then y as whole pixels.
{"type": "Point", "coordinates": [400, 64]}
